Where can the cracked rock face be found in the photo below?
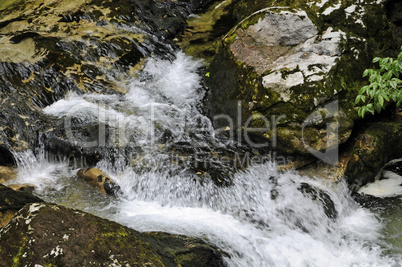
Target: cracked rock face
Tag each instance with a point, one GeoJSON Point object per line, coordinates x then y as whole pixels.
{"type": "Point", "coordinates": [310, 61]}
{"type": "Point", "coordinates": [290, 41]}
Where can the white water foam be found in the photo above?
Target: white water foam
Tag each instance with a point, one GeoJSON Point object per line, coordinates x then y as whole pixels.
{"type": "Point", "coordinates": [244, 220]}
{"type": "Point", "coordinates": [37, 170]}
{"type": "Point", "coordinates": [263, 219]}
{"type": "Point", "coordinates": [390, 186]}
{"type": "Point", "coordinates": [162, 101]}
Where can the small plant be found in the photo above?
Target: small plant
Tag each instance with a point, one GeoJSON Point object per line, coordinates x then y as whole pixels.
{"type": "Point", "coordinates": [385, 85]}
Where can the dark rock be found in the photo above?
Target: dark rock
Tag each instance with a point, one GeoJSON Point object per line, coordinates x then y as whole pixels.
{"type": "Point", "coordinates": [29, 188]}
{"type": "Point", "coordinates": [372, 149]}
{"type": "Point", "coordinates": [49, 234]}
{"type": "Point", "coordinates": [187, 251]}
{"type": "Point", "coordinates": [6, 157]}
{"type": "Point", "coordinates": [321, 196]}
{"type": "Point", "coordinates": [394, 166]}
{"type": "Point", "coordinates": [12, 201]}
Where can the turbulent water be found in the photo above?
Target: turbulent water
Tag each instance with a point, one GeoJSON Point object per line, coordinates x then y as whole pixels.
{"type": "Point", "coordinates": [262, 219]}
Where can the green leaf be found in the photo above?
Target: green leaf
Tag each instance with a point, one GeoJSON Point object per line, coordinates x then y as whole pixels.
{"type": "Point", "coordinates": [358, 98]}
{"type": "Point", "coordinates": [377, 107]}
{"type": "Point", "coordinates": [363, 111]}
{"type": "Point", "coordinates": [393, 84]}
{"type": "Point", "coordinates": [376, 59]}
{"type": "Point", "coordinates": [370, 108]}
{"type": "Point", "coordinates": [385, 95]}
{"type": "Point", "coordinates": [380, 100]}
{"type": "Point", "coordinates": [362, 90]}
{"type": "Point", "coordinates": [366, 72]}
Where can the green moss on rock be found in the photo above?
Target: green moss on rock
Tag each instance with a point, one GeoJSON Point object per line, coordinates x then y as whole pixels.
{"type": "Point", "coordinates": [48, 234]}
{"type": "Point", "coordinates": [375, 146]}
{"type": "Point", "coordinates": [234, 79]}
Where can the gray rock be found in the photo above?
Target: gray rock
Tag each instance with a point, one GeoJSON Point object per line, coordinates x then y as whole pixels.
{"type": "Point", "coordinates": [283, 29]}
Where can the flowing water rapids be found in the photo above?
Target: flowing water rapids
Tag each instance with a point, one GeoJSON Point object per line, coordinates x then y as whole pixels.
{"type": "Point", "coordinates": [262, 219]}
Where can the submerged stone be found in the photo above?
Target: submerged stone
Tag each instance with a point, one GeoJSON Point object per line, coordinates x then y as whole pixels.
{"type": "Point", "coordinates": [99, 180]}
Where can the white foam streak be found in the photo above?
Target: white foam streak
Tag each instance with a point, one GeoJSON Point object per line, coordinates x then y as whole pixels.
{"type": "Point", "coordinates": [38, 171]}
{"type": "Point", "coordinates": [244, 220]}
{"type": "Point", "coordinates": [263, 219]}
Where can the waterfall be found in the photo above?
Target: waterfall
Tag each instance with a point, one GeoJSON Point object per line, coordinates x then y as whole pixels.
{"type": "Point", "coordinates": [263, 218]}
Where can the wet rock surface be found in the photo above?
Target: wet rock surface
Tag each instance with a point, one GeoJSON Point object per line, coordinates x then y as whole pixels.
{"type": "Point", "coordinates": [51, 234]}
{"type": "Point", "coordinates": [49, 48]}
{"type": "Point", "coordinates": [11, 201]}
{"type": "Point", "coordinates": [7, 173]}
{"type": "Point", "coordinates": [377, 145]}
{"type": "Point", "coordinates": [99, 180]}
{"type": "Point", "coordinates": [321, 196]}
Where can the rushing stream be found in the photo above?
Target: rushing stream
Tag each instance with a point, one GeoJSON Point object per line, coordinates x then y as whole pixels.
{"type": "Point", "coordinates": [262, 219]}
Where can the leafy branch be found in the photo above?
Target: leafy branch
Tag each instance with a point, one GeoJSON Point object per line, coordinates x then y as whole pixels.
{"type": "Point", "coordinates": [385, 85]}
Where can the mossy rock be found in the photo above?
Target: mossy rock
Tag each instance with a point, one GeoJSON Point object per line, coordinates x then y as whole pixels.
{"type": "Point", "coordinates": [52, 235]}
{"type": "Point", "coordinates": [373, 148]}
{"type": "Point", "coordinates": [294, 69]}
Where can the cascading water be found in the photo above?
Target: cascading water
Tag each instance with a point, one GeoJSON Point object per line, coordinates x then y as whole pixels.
{"type": "Point", "coordinates": [264, 218]}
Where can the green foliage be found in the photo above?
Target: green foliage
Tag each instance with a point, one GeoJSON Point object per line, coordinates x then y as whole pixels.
{"type": "Point", "coordinates": [385, 85]}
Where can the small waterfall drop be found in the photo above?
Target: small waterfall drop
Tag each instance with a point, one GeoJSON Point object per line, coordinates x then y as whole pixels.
{"type": "Point", "coordinates": [264, 218]}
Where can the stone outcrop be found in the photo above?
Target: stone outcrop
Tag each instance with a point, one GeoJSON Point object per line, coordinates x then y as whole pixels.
{"type": "Point", "coordinates": [291, 72]}
{"type": "Point", "coordinates": [48, 234]}
{"type": "Point", "coordinates": [372, 149]}
{"type": "Point", "coordinates": [363, 156]}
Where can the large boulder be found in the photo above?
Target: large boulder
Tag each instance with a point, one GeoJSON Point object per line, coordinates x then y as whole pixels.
{"type": "Point", "coordinates": [48, 234]}
{"type": "Point", "coordinates": [288, 75]}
